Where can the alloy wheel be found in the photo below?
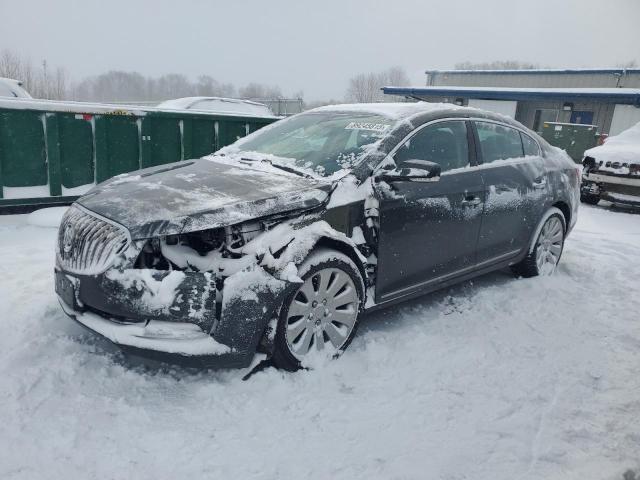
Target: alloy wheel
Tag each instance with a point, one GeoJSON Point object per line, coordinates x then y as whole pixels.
{"type": "Point", "coordinates": [322, 313]}
{"type": "Point", "coordinates": [549, 246]}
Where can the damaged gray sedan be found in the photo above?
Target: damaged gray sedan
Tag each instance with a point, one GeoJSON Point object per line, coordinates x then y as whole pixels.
{"type": "Point", "coordinates": [278, 243]}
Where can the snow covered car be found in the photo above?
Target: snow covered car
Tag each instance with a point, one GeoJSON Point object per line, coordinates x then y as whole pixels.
{"type": "Point", "coordinates": [279, 242]}
{"type": "Point", "coordinates": [612, 171]}
{"type": "Point", "coordinates": [12, 88]}
{"type": "Point", "coordinates": [221, 105]}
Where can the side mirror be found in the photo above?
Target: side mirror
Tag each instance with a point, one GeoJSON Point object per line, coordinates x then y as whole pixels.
{"type": "Point", "coordinates": [412, 171]}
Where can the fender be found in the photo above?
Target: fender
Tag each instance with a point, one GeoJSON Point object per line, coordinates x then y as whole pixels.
{"type": "Point", "coordinates": [246, 311]}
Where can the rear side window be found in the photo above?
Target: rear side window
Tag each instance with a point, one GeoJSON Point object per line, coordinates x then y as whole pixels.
{"type": "Point", "coordinates": [498, 142]}
{"type": "Point", "coordinates": [444, 143]}
{"type": "Point", "coordinates": [529, 145]}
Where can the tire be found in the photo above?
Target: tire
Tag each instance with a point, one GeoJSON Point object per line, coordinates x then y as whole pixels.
{"type": "Point", "coordinates": [546, 250]}
{"type": "Point", "coordinates": [589, 199]}
{"type": "Point", "coordinates": [311, 313]}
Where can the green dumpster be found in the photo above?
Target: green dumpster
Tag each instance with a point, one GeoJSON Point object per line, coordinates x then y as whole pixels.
{"type": "Point", "coordinates": [574, 138]}
{"type": "Point", "coordinates": [52, 152]}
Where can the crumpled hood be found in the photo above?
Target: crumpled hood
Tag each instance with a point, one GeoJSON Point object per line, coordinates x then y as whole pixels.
{"type": "Point", "coordinates": [198, 194]}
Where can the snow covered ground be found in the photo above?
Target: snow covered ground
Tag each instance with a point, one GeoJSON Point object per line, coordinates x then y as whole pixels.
{"type": "Point", "coordinates": [495, 379]}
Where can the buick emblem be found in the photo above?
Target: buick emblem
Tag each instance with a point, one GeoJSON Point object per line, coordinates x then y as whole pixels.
{"type": "Point", "coordinates": [67, 238]}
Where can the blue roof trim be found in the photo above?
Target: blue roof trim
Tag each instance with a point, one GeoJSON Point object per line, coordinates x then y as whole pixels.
{"type": "Point", "coordinates": [522, 94]}
{"type": "Point", "coordinates": [549, 71]}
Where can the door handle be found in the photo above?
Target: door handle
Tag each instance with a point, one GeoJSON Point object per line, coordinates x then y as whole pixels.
{"type": "Point", "coordinates": [471, 201]}
{"type": "Point", "coordinates": [540, 184]}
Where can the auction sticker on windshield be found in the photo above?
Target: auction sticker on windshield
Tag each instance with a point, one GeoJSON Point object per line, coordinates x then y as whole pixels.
{"type": "Point", "coordinates": [375, 127]}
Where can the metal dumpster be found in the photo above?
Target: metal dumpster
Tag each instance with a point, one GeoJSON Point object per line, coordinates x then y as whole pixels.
{"type": "Point", "coordinates": [574, 138]}
{"type": "Point", "coordinates": [52, 152]}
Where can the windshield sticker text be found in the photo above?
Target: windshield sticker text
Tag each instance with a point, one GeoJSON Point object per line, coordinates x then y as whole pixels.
{"type": "Point", "coordinates": [374, 127]}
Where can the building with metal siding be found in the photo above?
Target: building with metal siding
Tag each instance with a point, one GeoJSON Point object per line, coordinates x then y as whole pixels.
{"type": "Point", "coordinates": [549, 78]}
{"type": "Point", "coordinates": [603, 97]}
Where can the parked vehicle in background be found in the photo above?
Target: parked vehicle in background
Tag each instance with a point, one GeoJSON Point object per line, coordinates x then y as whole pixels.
{"type": "Point", "coordinates": [220, 105]}
{"type": "Point", "coordinates": [280, 241]}
{"type": "Point", "coordinates": [612, 170]}
{"type": "Point", "coordinates": [12, 88]}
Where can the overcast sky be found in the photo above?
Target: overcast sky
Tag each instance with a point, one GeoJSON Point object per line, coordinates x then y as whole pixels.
{"type": "Point", "coordinates": [316, 46]}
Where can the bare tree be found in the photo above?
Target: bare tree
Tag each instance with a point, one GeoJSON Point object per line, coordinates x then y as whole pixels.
{"type": "Point", "coordinates": [397, 77]}
{"type": "Point", "coordinates": [629, 64]}
{"type": "Point", "coordinates": [367, 87]}
{"type": "Point", "coordinates": [208, 86]}
{"type": "Point", "coordinates": [41, 83]}
{"type": "Point", "coordinates": [260, 91]}
{"type": "Point", "coordinates": [11, 66]}
{"type": "Point", "coordinates": [49, 82]}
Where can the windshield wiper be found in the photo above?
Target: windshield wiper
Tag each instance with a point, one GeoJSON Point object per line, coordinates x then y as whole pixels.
{"type": "Point", "coordinates": [288, 169]}
{"type": "Point", "coordinates": [285, 168]}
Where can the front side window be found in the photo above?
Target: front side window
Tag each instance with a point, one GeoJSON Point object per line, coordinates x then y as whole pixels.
{"type": "Point", "coordinates": [444, 143]}
{"type": "Point", "coordinates": [498, 142]}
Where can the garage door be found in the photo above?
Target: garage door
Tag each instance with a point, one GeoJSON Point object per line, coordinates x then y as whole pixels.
{"type": "Point", "coordinates": [624, 116]}
{"type": "Point", "coordinates": [505, 107]}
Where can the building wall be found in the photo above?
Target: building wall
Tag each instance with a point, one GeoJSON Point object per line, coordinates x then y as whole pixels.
{"type": "Point", "coordinates": [468, 78]}
{"type": "Point", "coordinates": [526, 110]}
{"type": "Point", "coordinates": [602, 112]}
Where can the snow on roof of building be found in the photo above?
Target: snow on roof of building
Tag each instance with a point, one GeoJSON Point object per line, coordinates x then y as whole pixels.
{"type": "Point", "coordinates": [620, 95]}
{"type": "Point", "coordinates": [221, 105]}
{"type": "Point", "coordinates": [540, 71]}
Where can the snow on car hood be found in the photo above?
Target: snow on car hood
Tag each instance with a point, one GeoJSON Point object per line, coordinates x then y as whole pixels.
{"type": "Point", "coordinates": [199, 194]}
{"type": "Point", "coordinates": [622, 148]}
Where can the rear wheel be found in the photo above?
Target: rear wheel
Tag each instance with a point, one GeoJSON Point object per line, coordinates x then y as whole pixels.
{"type": "Point", "coordinates": [320, 317]}
{"type": "Point", "coordinates": [545, 253]}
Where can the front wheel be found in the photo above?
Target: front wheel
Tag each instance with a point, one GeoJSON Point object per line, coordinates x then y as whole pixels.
{"type": "Point", "coordinates": [320, 317]}
{"type": "Point", "coordinates": [544, 254]}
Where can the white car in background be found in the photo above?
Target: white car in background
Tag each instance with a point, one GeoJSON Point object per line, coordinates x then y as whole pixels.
{"type": "Point", "coordinates": [612, 171]}
{"type": "Point", "coordinates": [225, 106]}
{"type": "Point", "coordinates": [12, 88]}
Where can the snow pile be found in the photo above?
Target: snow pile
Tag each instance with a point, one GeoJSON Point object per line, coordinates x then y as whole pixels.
{"type": "Point", "coordinates": [622, 148]}
{"type": "Point", "coordinates": [47, 217]}
{"type": "Point", "coordinates": [495, 379]}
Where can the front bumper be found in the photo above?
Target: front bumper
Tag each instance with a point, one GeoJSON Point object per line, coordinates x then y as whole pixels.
{"type": "Point", "coordinates": [614, 188]}
{"type": "Point", "coordinates": [189, 329]}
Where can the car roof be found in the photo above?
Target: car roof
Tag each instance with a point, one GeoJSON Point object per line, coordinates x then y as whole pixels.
{"type": "Point", "coordinates": [396, 110]}
{"type": "Point", "coordinates": [421, 109]}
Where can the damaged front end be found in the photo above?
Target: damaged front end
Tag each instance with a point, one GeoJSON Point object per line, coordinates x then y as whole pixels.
{"type": "Point", "coordinates": [199, 298]}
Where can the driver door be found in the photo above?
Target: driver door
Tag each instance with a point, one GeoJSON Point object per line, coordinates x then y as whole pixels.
{"type": "Point", "coordinates": [429, 230]}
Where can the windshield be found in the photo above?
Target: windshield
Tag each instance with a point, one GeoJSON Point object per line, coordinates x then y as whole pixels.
{"type": "Point", "coordinates": [323, 142]}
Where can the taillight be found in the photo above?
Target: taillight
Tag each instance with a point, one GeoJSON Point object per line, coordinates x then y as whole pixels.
{"type": "Point", "coordinates": [634, 168]}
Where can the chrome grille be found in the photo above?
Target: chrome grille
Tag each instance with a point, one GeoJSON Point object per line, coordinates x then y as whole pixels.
{"type": "Point", "coordinates": [87, 244]}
